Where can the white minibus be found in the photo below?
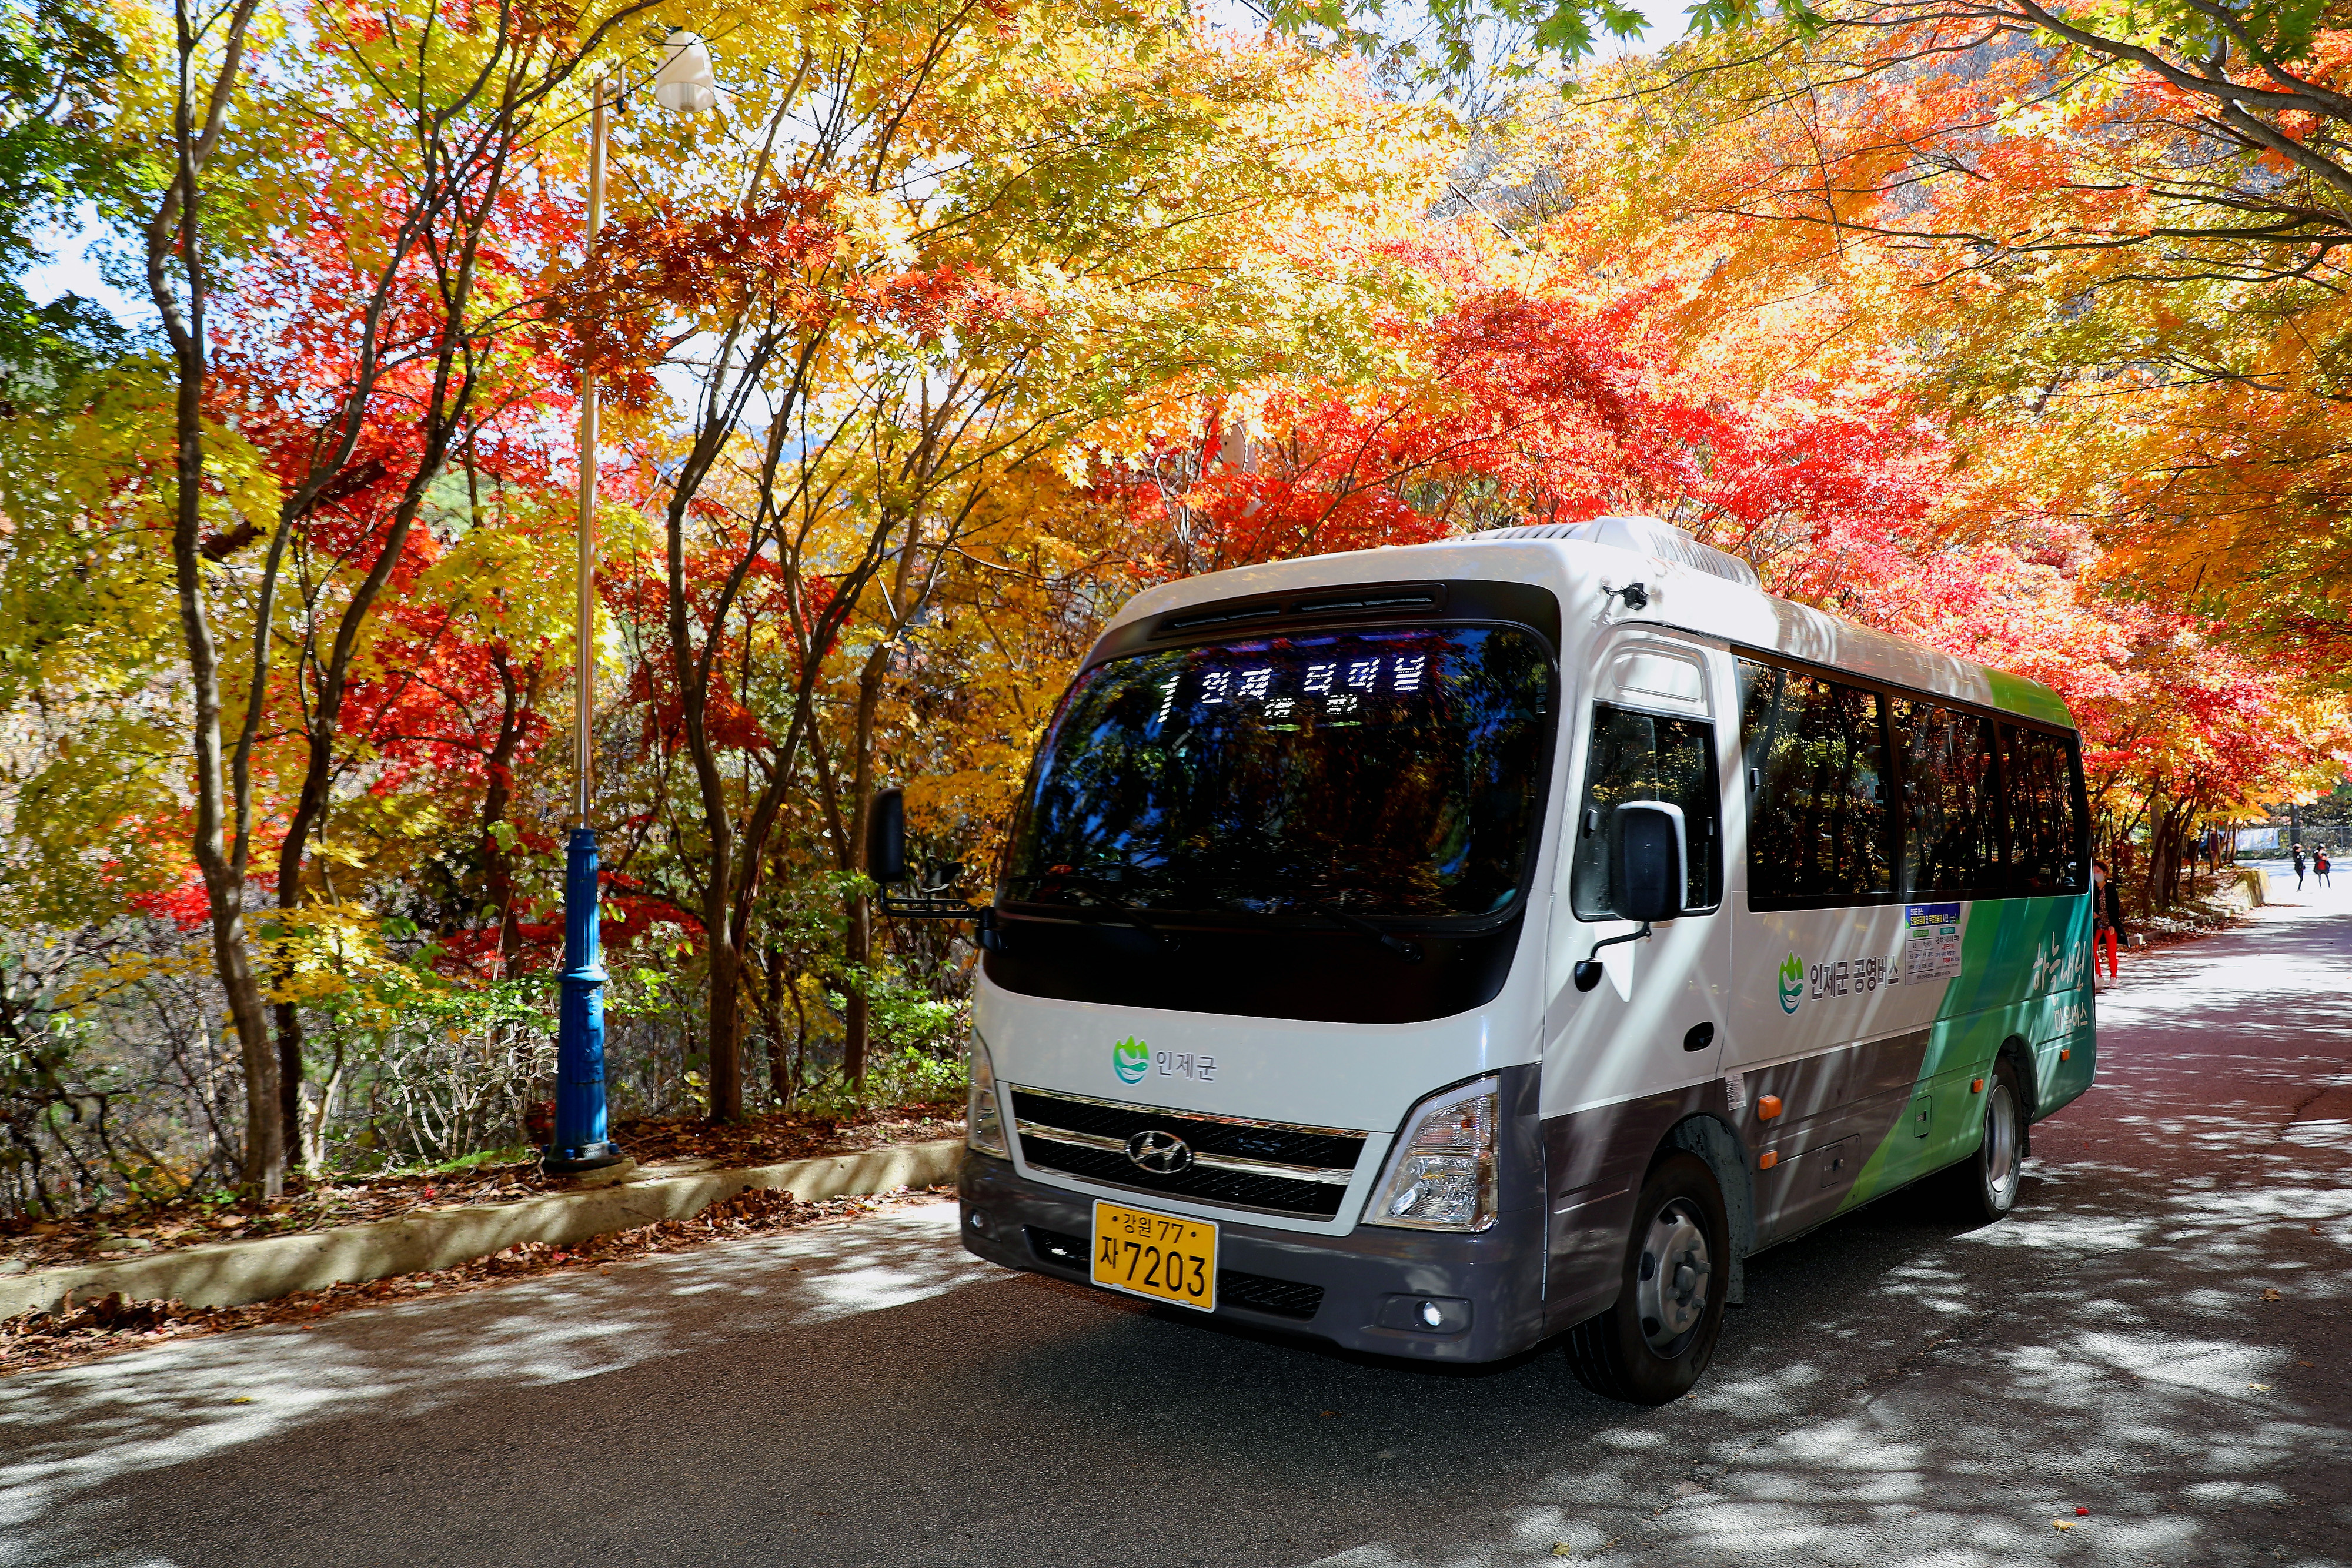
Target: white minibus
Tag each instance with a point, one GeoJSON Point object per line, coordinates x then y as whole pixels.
{"type": "Point", "coordinates": [1437, 949]}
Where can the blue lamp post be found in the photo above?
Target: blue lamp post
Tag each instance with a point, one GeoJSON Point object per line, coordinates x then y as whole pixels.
{"type": "Point", "coordinates": [683, 82]}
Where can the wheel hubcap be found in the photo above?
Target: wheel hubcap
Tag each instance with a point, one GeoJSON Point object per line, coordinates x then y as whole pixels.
{"type": "Point", "coordinates": [1669, 1287]}
{"type": "Point", "coordinates": [2001, 1164]}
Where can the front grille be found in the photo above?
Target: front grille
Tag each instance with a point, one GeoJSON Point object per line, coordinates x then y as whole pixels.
{"type": "Point", "coordinates": [1251, 1292]}
{"type": "Point", "coordinates": [1275, 1298]}
{"type": "Point", "coordinates": [1268, 1165]}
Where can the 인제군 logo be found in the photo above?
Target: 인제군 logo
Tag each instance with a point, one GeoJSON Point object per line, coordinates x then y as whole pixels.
{"type": "Point", "coordinates": [1793, 984]}
{"type": "Point", "coordinates": [1130, 1059]}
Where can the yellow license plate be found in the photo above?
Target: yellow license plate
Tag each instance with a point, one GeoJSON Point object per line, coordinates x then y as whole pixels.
{"type": "Point", "coordinates": [1156, 1255]}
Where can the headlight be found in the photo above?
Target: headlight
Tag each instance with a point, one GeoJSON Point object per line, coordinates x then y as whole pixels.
{"type": "Point", "coordinates": [984, 1118]}
{"type": "Point", "coordinates": [1441, 1176]}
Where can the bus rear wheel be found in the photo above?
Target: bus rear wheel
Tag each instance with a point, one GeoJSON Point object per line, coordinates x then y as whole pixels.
{"type": "Point", "coordinates": [1985, 1185]}
{"type": "Point", "coordinates": [1653, 1343]}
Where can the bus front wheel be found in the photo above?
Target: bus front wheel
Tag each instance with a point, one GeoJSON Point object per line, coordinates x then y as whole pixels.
{"type": "Point", "coordinates": [1651, 1345]}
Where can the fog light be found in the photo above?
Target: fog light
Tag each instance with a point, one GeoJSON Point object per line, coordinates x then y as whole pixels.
{"type": "Point", "coordinates": [979, 1221]}
{"type": "Point", "coordinates": [1423, 1315]}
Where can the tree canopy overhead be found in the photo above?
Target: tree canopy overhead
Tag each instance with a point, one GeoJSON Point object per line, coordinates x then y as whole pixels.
{"type": "Point", "coordinates": [949, 328]}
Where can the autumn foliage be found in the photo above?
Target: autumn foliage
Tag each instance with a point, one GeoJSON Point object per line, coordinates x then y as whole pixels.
{"type": "Point", "coordinates": [958, 325]}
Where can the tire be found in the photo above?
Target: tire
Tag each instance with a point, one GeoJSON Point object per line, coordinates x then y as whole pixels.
{"type": "Point", "coordinates": [1653, 1344]}
{"type": "Point", "coordinates": [1985, 1185]}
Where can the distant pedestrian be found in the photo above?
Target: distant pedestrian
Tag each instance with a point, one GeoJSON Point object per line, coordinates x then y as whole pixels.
{"type": "Point", "coordinates": [2319, 866]}
{"type": "Point", "coordinates": [2298, 868]}
{"type": "Point", "coordinates": [2106, 917]}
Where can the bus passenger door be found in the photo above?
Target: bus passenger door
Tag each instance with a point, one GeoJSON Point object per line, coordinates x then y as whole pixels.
{"type": "Point", "coordinates": [1826, 1041]}
{"type": "Point", "coordinates": [1622, 1061]}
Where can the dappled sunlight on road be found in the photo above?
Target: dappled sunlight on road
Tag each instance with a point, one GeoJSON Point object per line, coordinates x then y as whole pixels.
{"type": "Point", "coordinates": [1900, 1389]}
{"type": "Point", "coordinates": [71, 1431]}
{"type": "Point", "coordinates": [2128, 1363]}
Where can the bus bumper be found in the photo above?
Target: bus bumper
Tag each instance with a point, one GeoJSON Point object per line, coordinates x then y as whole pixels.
{"type": "Point", "coordinates": [1371, 1290]}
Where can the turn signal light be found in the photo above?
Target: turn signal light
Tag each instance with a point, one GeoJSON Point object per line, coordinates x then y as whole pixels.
{"type": "Point", "coordinates": [1976, 1085]}
{"type": "Point", "coordinates": [2068, 1054]}
{"type": "Point", "coordinates": [1767, 1106]}
{"type": "Point", "coordinates": [1767, 1160]}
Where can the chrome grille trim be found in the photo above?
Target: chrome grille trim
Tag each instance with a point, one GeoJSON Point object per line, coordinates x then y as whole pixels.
{"type": "Point", "coordinates": [1328, 1176]}
{"type": "Point", "coordinates": [1143, 1109]}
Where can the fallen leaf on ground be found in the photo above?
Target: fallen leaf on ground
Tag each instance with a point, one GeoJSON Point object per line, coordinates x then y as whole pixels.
{"type": "Point", "coordinates": [1562, 1549]}
{"type": "Point", "coordinates": [2260, 1387]}
{"type": "Point", "coordinates": [2082, 1513]}
{"type": "Point", "coordinates": [2062, 1524]}
{"type": "Point", "coordinates": [2270, 1295]}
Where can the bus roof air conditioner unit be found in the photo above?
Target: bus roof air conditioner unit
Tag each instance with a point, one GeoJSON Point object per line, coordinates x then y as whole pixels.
{"type": "Point", "coordinates": [1643, 535]}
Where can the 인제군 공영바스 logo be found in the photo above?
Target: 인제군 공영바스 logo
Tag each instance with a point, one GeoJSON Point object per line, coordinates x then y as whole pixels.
{"type": "Point", "coordinates": [1793, 984]}
{"type": "Point", "coordinates": [1130, 1059]}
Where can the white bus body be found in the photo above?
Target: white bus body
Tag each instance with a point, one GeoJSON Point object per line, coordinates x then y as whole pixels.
{"type": "Point", "coordinates": [1226, 1075]}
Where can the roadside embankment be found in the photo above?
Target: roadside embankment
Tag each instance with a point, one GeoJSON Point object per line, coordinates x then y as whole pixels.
{"type": "Point", "coordinates": [234, 1273]}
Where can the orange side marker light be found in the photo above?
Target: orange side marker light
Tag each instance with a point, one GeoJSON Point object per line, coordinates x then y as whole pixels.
{"type": "Point", "coordinates": [1767, 1106]}
{"type": "Point", "coordinates": [1767, 1160]}
{"type": "Point", "coordinates": [1976, 1085]}
{"type": "Point", "coordinates": [2066, 1053]}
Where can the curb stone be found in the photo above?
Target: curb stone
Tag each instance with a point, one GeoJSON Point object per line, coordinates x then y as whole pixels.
{"type": "Point", "coordinates": [234, 1273]}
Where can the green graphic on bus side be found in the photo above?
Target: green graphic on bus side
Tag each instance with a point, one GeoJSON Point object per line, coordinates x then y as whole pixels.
{"type": "Point", "coordinates": [1793, 984]}
{"type": "Point", "coordinates": [2025, 974]}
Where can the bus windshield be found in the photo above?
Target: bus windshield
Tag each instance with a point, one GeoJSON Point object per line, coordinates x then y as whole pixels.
{"type": "Point", "coordinates": [1391, 774]}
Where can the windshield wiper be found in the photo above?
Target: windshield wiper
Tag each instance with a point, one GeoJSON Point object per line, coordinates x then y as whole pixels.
{"type": "Point", "coordinates": [1409, 950]}
{"type": "Point", "coordinates": [1404, 947]}
{"type": "Point", "coordinates": [1098, 900]}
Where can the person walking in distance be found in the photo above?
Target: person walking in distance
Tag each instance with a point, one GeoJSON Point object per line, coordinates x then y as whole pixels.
{"type": "Point", "coordinates": [2106, 918]}
{"type": "Point", "coordinates": [2320, 865]}
{"type": "Point", "coordinates": [2298, 868]}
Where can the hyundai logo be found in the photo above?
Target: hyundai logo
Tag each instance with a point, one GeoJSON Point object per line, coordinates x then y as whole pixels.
{"type": "Point", "coordinates": [1161, 1154]}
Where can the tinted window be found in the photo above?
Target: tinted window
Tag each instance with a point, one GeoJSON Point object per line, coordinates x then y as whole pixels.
{"type": "Point", "coordinates": [1819, 826]}
{"type": "Point", "coordinates": [1644, 757]}
{"type": "Point", "coordinates": [1390, 773]}
{"type": "Point", "coordinates": [1951, 809]}
{"type": "Point", "coordinates": [2044, 832]}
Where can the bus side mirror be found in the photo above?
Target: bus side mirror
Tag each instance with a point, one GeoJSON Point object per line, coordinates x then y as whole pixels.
{"type": "Point", "coordinates": [1649, 867]}
{"type": "Point", "coordinates": [885, 839]}
{"type": "Point", "coordinates": [1649, 860]}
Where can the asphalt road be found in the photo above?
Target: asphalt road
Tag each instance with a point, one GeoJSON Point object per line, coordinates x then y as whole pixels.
{"type": "Point", "coordinates": [1898, 1390]}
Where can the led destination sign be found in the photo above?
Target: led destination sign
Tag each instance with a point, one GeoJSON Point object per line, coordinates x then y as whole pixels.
{"type": "Point", "coordinates": [1335, 688]}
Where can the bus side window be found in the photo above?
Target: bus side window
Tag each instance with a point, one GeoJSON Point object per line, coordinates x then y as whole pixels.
{"type": "Point", "coordinates": [1647, 757]}
{"type": "Point", "coordinates": [2043, 835]}
{"type": "Point", "coordinates": [1821, 812]}
{"type": "Point", "coordinates": [1951, 816]}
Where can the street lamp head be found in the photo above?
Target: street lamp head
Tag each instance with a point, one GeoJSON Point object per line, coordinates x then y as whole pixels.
{"type": "Point", "coordinates": [683, 82]}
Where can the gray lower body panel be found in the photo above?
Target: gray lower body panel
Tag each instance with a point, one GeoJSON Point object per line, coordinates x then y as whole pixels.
{"type": "Point", "coordinates": [1365, 1291]}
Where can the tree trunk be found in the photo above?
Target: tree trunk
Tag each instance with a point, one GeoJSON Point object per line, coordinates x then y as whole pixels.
{"type": "Point", "coordinates": [771, 1017]}
{"type": "Point", "coordinates": [175, 231]}
{"type": "Point", "coordinates": [857, 946]}
{"type": "Point", "coordinates": [726, 1002]}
